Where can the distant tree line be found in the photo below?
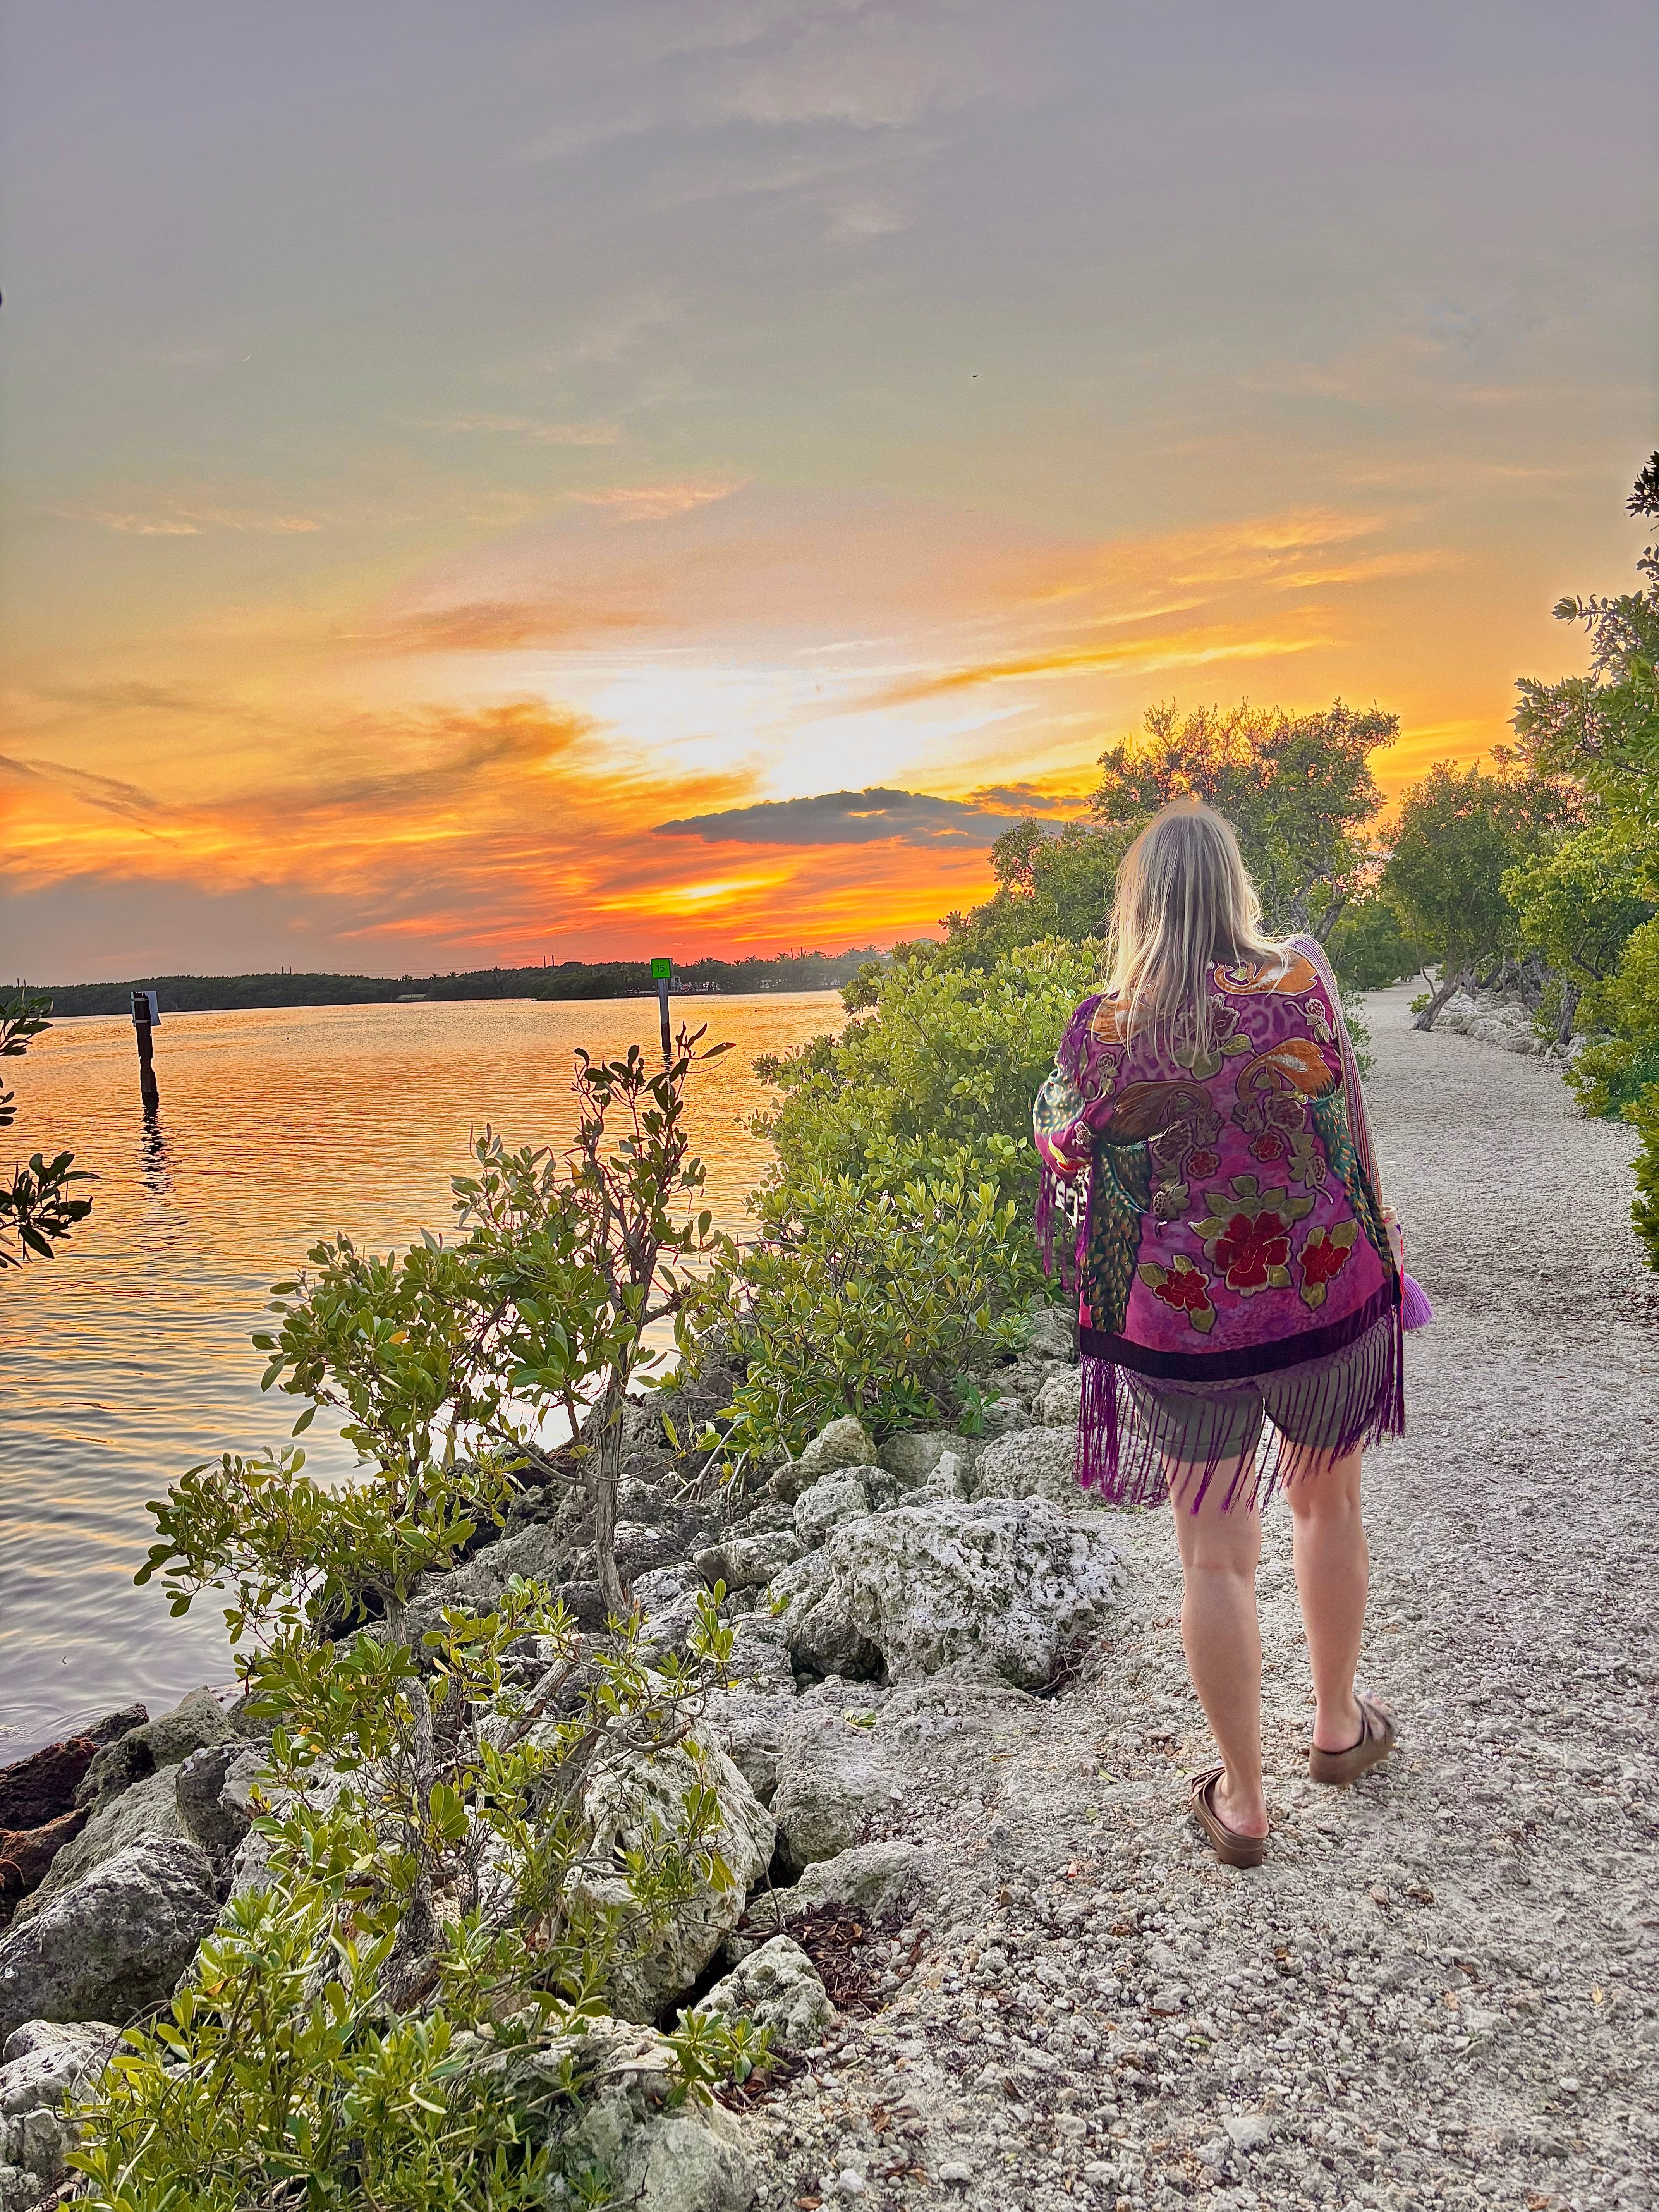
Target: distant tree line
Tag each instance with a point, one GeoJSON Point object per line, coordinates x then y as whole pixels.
{"type": "Point", "coordinates": [569, 979]}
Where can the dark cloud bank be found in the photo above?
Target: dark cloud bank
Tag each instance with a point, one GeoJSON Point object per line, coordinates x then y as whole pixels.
{"type": "Point", "coordinates": [857, 817]}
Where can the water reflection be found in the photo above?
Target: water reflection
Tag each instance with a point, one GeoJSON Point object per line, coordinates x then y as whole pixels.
{"type": "Point", "coordinates": [127, 1360]}
{"type": "Point", "coordinates": [156, 1172]}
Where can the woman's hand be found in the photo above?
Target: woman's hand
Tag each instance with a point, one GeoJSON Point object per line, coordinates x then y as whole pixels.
{"type": "Point", "coordinates": [1396, 1237]}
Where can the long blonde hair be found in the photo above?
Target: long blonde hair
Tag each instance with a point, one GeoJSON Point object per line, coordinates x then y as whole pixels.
{"type": "Point", "coordinates": [1184, 899]}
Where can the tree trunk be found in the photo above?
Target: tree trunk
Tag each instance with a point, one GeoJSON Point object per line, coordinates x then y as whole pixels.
{"type": "Point", "coordinates": [1452, 980]}
{"type": "Point", "coordinates": [604, 1480]}
{"type": "Point", "coordinates": [1328, 920]}
{"type": "Point", "coordinates": [1571, 993]}
{"type": "Point", "coordinates": [406, 1962]}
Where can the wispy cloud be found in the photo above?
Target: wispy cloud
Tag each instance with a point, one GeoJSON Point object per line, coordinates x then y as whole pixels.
{"type": "Point", "coordinates": [192, 521]}
{"type": "Point", "coordinates": [1147, 656]}
{"type": "Point", "coordinates": [656, 502]}
{"type": "Point", "coordinates": [484, 831]}
{"type": "Point", "coordinates": [522, 426]}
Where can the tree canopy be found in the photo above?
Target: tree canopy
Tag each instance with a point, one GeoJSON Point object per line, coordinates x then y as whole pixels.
{"type": "Point", "coordinates": [1297, 788]}
{"type": "Point", "coordinates": [1459, 831]}
{"type": "Point", "coordinates": [1603, 728]}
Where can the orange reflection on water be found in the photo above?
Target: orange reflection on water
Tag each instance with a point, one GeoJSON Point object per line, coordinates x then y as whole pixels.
{"type": "Point", "coordinates": [127, 1360]}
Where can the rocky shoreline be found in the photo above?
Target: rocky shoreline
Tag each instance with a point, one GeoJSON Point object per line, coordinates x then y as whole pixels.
{"type": "Point", "coordinates": [1000, 1967]}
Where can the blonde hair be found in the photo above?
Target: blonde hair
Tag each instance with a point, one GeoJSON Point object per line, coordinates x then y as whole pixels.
{"type": "Point", "coordinates": [1184, 899]}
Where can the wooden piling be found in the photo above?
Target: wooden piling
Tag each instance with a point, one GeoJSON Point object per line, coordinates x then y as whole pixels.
{"type": "Point", "coordinates": [661, 971]}
{"type": "Point", "coordinates": [145, 1015]}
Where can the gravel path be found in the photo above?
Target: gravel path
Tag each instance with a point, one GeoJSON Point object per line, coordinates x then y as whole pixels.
{"type": "Point", "coordinates": [1441, 1990]}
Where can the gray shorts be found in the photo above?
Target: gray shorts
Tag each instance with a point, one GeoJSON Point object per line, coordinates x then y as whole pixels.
{"type": "Point", "coordinates": [1322, 1405]}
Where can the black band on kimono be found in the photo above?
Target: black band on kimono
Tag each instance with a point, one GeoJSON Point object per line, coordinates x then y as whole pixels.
{"type": "Point", "coordinates": [1250, 1359]}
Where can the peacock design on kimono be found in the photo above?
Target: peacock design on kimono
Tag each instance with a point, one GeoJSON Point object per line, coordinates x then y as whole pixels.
{"type": "Point", "coordinates": [1122, 1193]}
{"type": "Point", "coordinates": [1329, 1114]}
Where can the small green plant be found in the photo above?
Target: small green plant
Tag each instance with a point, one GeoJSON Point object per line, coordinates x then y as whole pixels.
{"type": "Point", "coordinates": [36, 1210]}
{"type": "Point", "coordinates": [1644, 1211]}
{"type": "Point", "coordinates": [939, 1077]}
{"type": "Point", "coordinates": [875, 1295]}
{"type": "Point", "coordinates": [450, 1871]}
{"type": "Point", "coordinates": [268, 2082]}
{"type": "Point", "coordinates": [437, 1883]}
{"type": "Point", "coordinates": [971, 1404]}
{"type": "Point", "coordinates": [1611, 1076]}
{"type": "Point", "coordinates": [538, 1316]}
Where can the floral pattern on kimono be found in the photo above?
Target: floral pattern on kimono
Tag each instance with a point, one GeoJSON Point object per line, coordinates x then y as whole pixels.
{"type": "Point", "coordinates": [1219, 1207]}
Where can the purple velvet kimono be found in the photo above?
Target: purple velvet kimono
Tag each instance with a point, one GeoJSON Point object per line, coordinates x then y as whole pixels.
{"type": "Point", "coordinates": [1221, 1212]}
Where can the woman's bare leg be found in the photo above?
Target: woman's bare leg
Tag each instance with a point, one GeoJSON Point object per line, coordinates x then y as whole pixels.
{"type": "Point", "coordinates": [1333, 1572]}
{"type": "Point", "coordinates": [1219, 1555]}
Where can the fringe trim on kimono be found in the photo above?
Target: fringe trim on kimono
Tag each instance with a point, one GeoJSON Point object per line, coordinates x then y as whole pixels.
{"type": "Point", "coordinates": [1144, 1437]}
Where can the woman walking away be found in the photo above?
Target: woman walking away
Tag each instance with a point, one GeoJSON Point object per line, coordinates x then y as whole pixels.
{"type": "Point", "coordinates": [1205, 1152]}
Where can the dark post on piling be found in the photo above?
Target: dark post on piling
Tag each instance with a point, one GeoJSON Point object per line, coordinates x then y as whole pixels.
{"type": "Point", "coordinates": [146, 1017]}
{"type": "Point", "coordinates": [661, 971]}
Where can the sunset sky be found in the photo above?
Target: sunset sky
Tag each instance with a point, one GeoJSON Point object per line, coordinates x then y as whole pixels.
{"type": "Point", "coordinates": [492, 480]}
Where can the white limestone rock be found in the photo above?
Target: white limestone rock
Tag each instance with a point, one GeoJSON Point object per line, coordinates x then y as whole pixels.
{"type": "Point", "coordinates": [760, 1653]}
{"type": "Point", "coordinates": [198, 1718]}
{"type": "Point", "coordinates": [1036, 1463]}
{"type": "Point", "coordinates": [776, 1986]}
{"type": "Point", "coordinates": [1048, 1334]}
{"type": "Point", "coordinates": [641, 1795]}
{"type": "Point", "coordinates": [149, 1808]}
{"type": "Point", "coordinates": [750, 1727]}
{"type": "Point", "coordinates": [834, 1777]}
{"type": "Point", "coordinates": [876, 1878]}
{"type": "Point", "coordinates": [1007, 1416]}
{"type": "Point", "coordinates": [1059, 1404]}
{"type": "Point", "coordinates": [690, 2158]}
{"type": "Point", "coordinates": [832, 1497]}
{"type": "Point", "coordinates": [1491, 1019]}
{"type": "Point", "coordinates": [748, 1561]}
{"type": "Point", "coordinates": [912, 1456]}
{"type": "Point", "coordinates": [46, 2063]}
{"type": "Point", "coordinates": [952, 1479]}
{"type": "Point", "coordinates": [845, 1443]}
{"type": "Point", "coordinates": [1007, 1586]}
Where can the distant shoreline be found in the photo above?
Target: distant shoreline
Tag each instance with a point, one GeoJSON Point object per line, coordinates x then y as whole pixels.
{"type": "Point", "coordinates": [569, 980]}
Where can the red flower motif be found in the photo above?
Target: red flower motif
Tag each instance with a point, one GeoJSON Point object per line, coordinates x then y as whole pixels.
{"type": "Point", "coordinates": [1184, 1289]}
{"type": "Point", "coordinates": [1203, 1164]}
{"type": "Point", "coordinates": [1320, 1262]}
{"type": "Point", "coordinates": [1271, 1144]}
{"type": "Point", "coordinates": [1246, 1249]}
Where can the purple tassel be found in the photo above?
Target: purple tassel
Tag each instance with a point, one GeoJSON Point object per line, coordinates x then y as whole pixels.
{"type": "Point", "coordinates": [1393, 1423]}
{"type": "Point", "coordinates": [1415, 1311]}
{"type": "Point", "coordinates": [1097, 1428]}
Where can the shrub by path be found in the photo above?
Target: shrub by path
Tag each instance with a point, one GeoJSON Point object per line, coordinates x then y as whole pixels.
{"type": "Point", "coordinates": [1442, 1989]}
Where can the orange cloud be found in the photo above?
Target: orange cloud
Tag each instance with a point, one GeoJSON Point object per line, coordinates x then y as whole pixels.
{"type": "Point", "coordinates": [1148, 656]}
{"type": "Point", "coordinates": [494, 833]}
{"type": "Point", "coordinates": [655, 502]}
{"type": "Point", "coordinates": [469, 763]}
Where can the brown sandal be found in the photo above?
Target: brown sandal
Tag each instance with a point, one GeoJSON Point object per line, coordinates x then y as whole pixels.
{"type": "Point", "coordinates": [1230, 1847]}
{"type": "Point", "coordinates": [1337, 1769]}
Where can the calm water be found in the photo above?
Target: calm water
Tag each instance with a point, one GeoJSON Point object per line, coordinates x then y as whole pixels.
{"type": "Point", "coordinates": [127, 1360]}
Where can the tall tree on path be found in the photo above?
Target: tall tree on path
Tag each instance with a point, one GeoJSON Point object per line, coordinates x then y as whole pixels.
{"type": "Point", "coordinates": [1459, 831]}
